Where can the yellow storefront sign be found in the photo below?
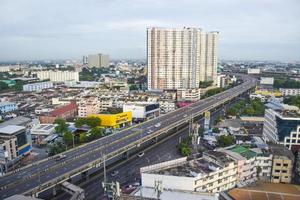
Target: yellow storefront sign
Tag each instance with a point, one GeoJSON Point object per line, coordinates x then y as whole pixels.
{"type": "Point", "coordinates": [114, 120]}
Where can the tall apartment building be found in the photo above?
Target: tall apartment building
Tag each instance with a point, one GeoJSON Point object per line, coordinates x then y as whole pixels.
{"type": "Point", "coordinates": [98, 60]}
{"type": "Point", "coordinates": [58, 76]}
{"type": "Point", "coordinates": [181, 57]}
{"type": "Point", "coordinates": [88, 106]}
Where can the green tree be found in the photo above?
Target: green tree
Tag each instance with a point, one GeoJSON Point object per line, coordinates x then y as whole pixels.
{"type": "Point", "coordinates": [61, 127]}
{"type": "Point", "coordinates": [96, 132]}
{"type": "Point", "coordinates": [89, 121]}
{"type": "Point", "coordinates": [205, 84]}
{"type": "Point", "coordinates": [56, 149]}
{"type": "Point", "coordinates": [3, 86]}
{"type": "Point", "coordinates": [216, 130]}
{"type": "Point", "coordinates": [186, 151]}
{"type": "Point", "coordinates": [225, 140]}
{"type": "Point", "coordinates": [68, 137]}
{"type": "Point", "coordinates": [82, 138]}
{"type": "Point", "coordinates": [133, 87]}
{"type": "Point", "coordinates": [294, 100]}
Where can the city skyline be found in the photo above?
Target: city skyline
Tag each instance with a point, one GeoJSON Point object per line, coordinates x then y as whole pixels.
{"type": "Point", "coordinates": [249, 30]}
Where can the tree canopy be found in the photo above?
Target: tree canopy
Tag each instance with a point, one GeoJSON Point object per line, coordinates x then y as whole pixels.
{"type": "Point", "coordinates": [225, 140]}
{"type": "Point", "coordinates": [205, 84]}
{"type": "Point", "coordinates": [294, 100]}
{"type": "Point", "coordinates": [61, 127]}
{"type": "Point", "coordinates": [89, 121]}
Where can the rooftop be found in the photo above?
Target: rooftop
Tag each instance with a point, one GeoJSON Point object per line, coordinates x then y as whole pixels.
{"type": "Point", "coordinates": [280, 150]}
{"type": "Point", "coordinates": [20, 120]}
{"type": "Point", "coordinates": [173, 194]}
{"type": "Point", "coordinates": [243, 151]}
{"type": "Point", "coordinates": [6, 103]}
{"type": "Point", "coordinates": [11, 129]}
{"type": "Point", "coordinates": [191, 168]}
{"type": "Point", "coordinates": [63, 109]}
{"type": "Point", "coordinates": [266, 191]}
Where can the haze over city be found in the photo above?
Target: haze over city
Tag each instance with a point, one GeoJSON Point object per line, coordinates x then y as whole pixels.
{"type": "Point", "coordinates": [55, 29]}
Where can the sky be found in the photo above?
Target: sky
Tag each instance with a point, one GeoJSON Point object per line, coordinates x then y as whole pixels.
{"type": "Point", "coordinates": [68, 29]}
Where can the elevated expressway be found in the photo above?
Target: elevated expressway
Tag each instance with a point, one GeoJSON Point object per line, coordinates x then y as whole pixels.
{"type": "Point", "coordinates": [48, 173]}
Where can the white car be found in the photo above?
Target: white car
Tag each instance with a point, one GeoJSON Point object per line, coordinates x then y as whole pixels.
{"type": "Point", "coordinates": [157, 125]}
{"type": "Point", "coordinates": [184, 116]}
{"type": "Point", "coordinates": [141, 154]}
{"type": "Point", "coordinates": [149, 131]}
{"type": "Point", "coordinates": [115, 173]}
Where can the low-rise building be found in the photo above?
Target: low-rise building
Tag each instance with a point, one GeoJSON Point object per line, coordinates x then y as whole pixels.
{"type": "Point", "coordinates": [142, 111]}
{"type": "Point", "coordinates": [88, 106]}
{"type": "Point", "coordinates": [114, 120]}
{"type": "Point", "coordinates": [214, 172]}
{"type": "Point", "coordinates": [66, 112]}
{"type": "Point", "coordinates": [167, 106]}
{"type": "Point", "coordinates": [35, 87]}
{"type": "Point", "coordinates": [58, 76]}
{"type": "Point", "coordinates": [290, 91]}
{"type": "Point", "coordinates": [7, 107]}
{"type": "Point", "coordinates": [282, 167]}
{"type": "Point", "coordinates": [248, 161]}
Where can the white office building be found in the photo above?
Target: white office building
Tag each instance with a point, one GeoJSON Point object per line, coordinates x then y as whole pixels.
{"type": "Point", "coordinates": [214, 172]}
{"type": "Point", "coordinates": [181, 57]}
{"type": "Point", "coordinates": [142, 110]}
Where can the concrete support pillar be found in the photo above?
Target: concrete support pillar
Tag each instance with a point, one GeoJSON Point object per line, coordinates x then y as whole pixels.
{"type": "Point", "coordinates": [85, 175]}
{"type": "Point", "coordinates": [54, 191]}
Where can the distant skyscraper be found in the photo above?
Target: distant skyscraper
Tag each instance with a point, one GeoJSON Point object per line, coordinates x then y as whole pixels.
{"type": "Point", "coordinates": [181, 58]}
{"type": "Point", "coordinates": [98, 60]}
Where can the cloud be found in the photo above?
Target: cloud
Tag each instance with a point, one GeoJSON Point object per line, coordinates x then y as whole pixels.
{"type": "Point", "coordinates": [33, 29]}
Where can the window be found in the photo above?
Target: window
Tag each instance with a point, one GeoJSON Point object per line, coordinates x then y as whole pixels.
{"type": "Point", "coordinates": [285, 164]}
{"type": "Point", "coordinates": [278, 164]}
{"type": "Point", "coordinates": [284, 171]}
{"type": "Point", "coordinates": [288, 140]}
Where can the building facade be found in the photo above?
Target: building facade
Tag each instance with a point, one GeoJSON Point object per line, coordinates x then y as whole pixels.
{"type": "Point", "coordinates": [58, 76]}
{"type": "Point", "coordinates": [114, 121]}
{"type": "Point", "coordinates": [98, 60]}
{"type": "Point", "coordinates": [142, 111]}
{"type": "Point", "coordinates": [37, 86]}
{"type": "Point", "coordinates": [66, 112]}
{"type": "Point", "coordinates": [283, 161]}
{"type": "Point", "coordinates": [213, 173]}
{"type": "Point", "coordinates": [289, 91]}
{"type": "Point", "coordinates": [181, 58]}
{"type": "Point", "coordinates": [7, 107]}
{"type": "Point", "coordinates": [282, 127]}
{"type": "Point", "coordinates": [88, 106]}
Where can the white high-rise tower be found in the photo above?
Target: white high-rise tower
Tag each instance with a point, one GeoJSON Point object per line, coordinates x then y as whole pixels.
{"type": "Point", "coordinates": [181, 58]}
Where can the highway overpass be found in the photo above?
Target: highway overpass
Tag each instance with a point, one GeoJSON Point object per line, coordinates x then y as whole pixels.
{"type": "Point", "coordinates": [45, 174]}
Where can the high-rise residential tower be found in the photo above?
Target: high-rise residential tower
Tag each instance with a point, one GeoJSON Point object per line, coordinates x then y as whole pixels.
{"type": "Point", "coordinates": [98, 60]}
{"type": "Point", "coordinates": [181, 57]}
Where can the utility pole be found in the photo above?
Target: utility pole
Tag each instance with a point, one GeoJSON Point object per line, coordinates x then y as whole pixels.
{"type": "Point", "coordinates": [112, 190]}
{"type": "Point", "coordinates": [158, 188]}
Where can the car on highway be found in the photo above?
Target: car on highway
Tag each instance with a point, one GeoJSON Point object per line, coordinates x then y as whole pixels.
{"type": "Point", "coordinates": [141, 154]}
{"type": "Point", "coordinates": [184, 116]}
{"type": "Point", "coordinates": [157, 125]}
{"type": "Point", "coordinates": [60, 157]}
{"type": "Point", "coordinates": [114, 173]}
{"type": "Point", "coordinates": [149, 131]}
